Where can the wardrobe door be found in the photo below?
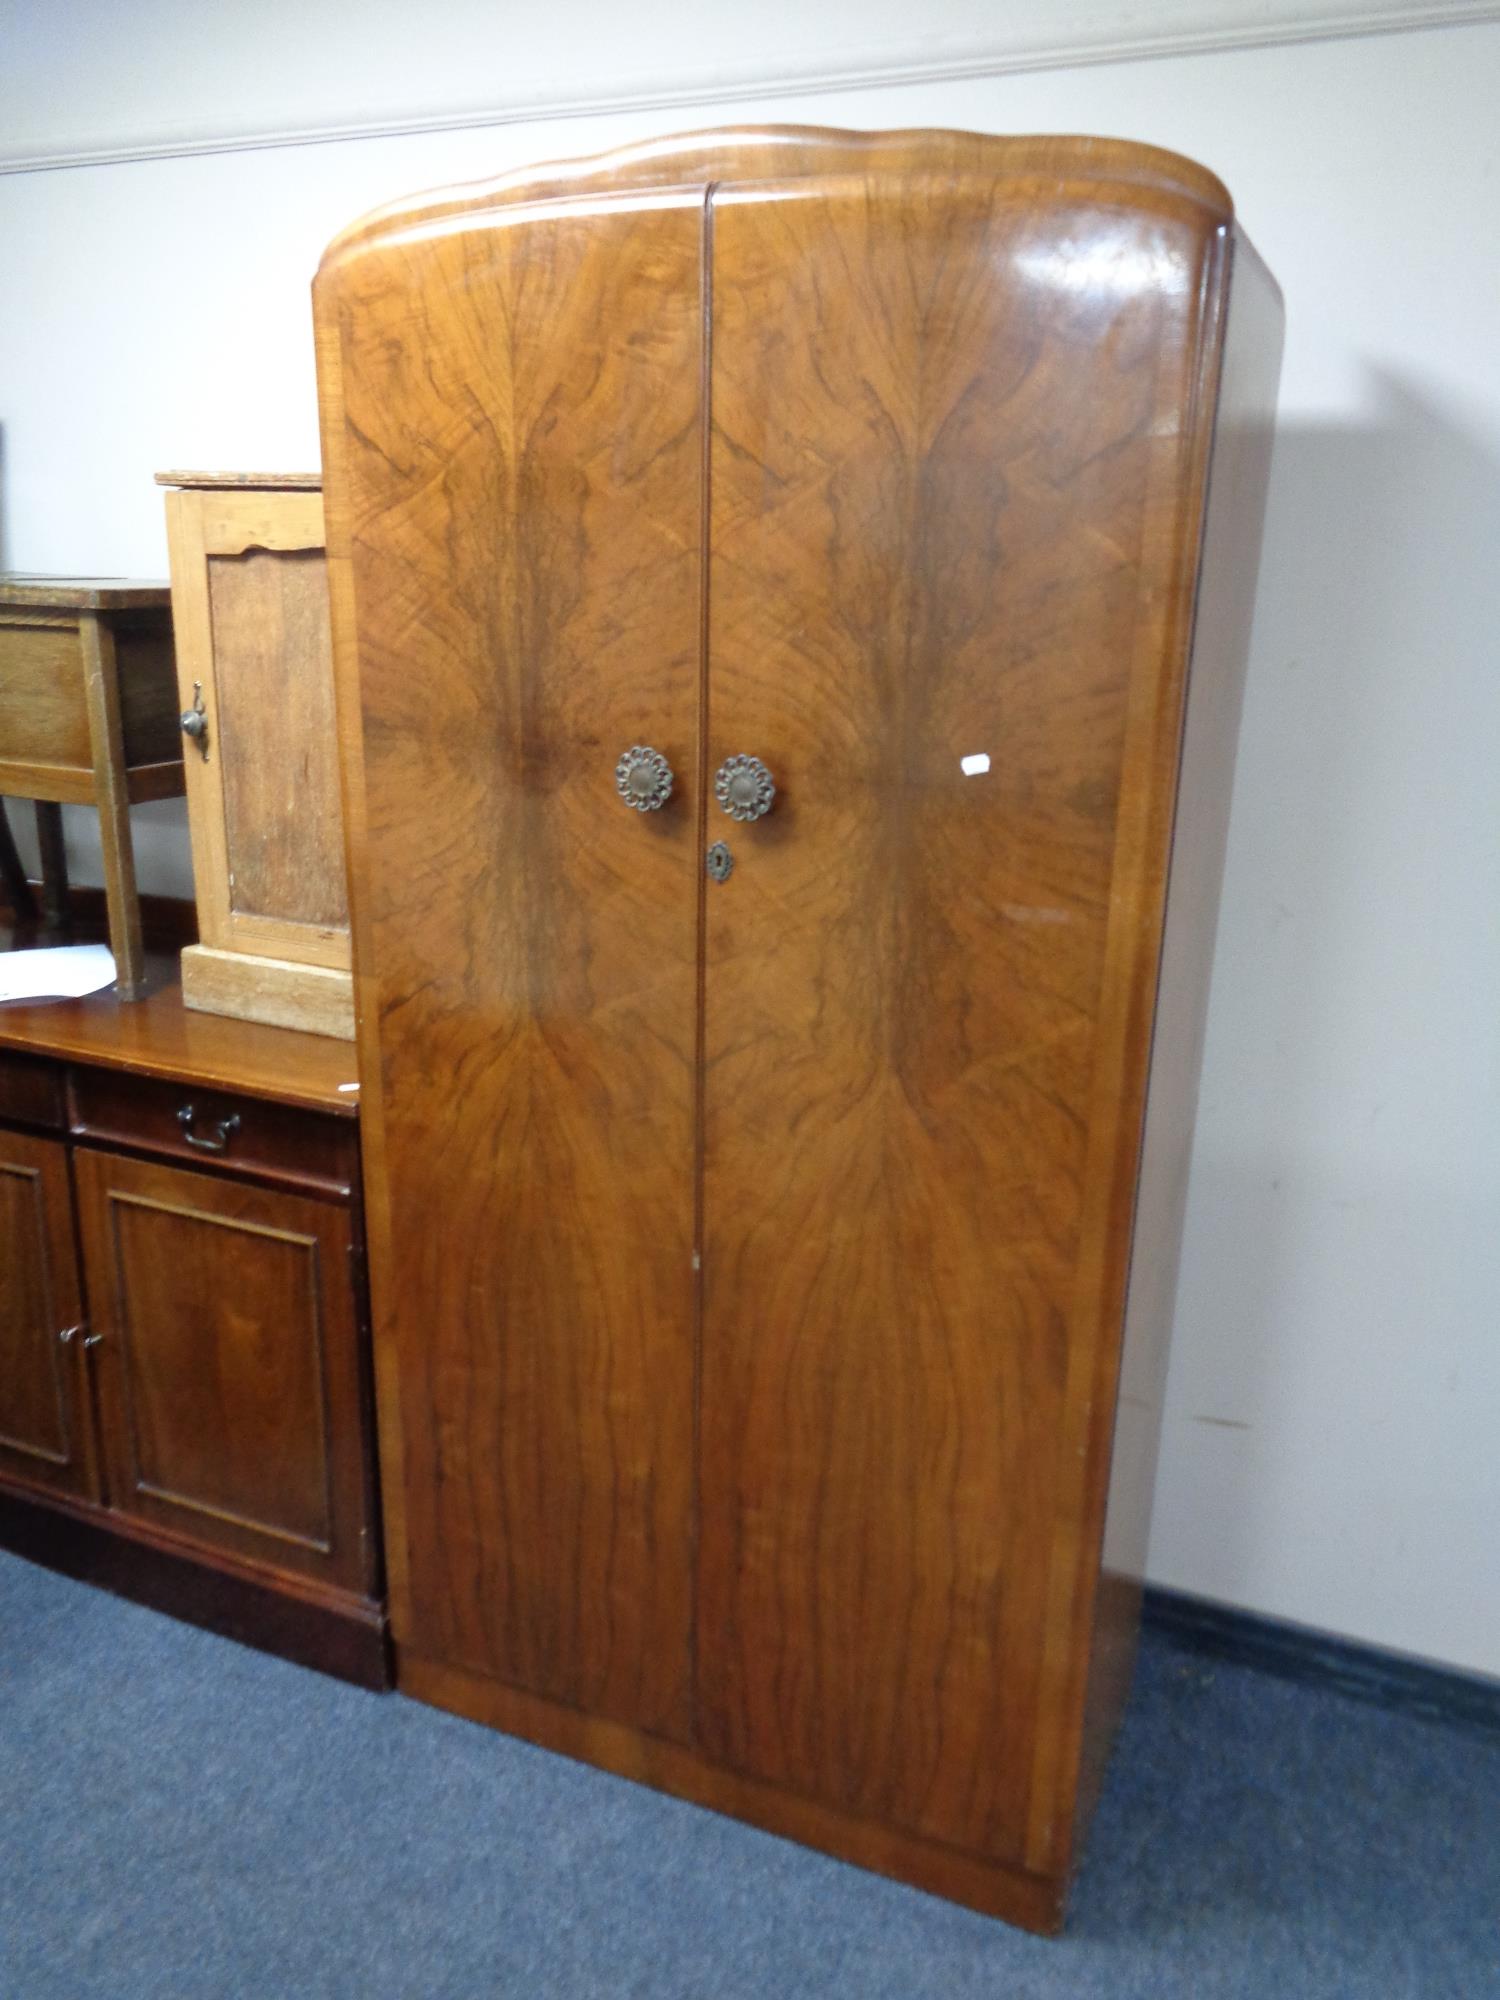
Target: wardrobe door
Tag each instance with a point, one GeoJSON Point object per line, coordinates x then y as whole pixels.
{"type": "Point", "coordinates": [951, 532]}
{"type": "Point", "coordinates": [518, 462]}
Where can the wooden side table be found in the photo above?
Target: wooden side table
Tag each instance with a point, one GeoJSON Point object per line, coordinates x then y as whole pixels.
{"type": "Point", "coordinates": [88, 716]}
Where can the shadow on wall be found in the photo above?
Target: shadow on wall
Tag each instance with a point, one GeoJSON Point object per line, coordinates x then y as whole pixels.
{"type": "Point", "coordinates": [1337, 1302]}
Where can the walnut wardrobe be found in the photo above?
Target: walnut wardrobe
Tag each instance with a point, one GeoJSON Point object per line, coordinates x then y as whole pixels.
{"type": "Point", "coordinates": [785, 837]}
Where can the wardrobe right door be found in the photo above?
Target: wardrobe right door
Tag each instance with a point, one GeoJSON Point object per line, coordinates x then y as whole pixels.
{"type": "Point", "coordinates": [952, 503]}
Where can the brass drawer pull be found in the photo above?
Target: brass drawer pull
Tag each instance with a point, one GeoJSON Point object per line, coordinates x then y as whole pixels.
{"type": "Point", "coordinates": [216, 1138]}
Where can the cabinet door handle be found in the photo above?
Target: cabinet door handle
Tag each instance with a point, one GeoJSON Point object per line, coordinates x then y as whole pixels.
{"type": "Point", "coordinates": [194, 721]}
{"type": "Point", "coordinates": [216, 1138]}
{"type": "Point", "coordinates": [644, 778]}
{"type": "Point", "coordinates": [744, 788]}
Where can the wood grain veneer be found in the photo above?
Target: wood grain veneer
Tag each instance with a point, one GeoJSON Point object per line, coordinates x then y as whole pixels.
{"type": "Point", "coordinates": [159, 1036]}
{"type": "Point", "coordinates": [752, 1256]}
{"type": "Point", "coordinates": [539, 940]}
{"type": "Point", "coordinates": [907, 1009]}
{"type": "Point", "coordinates": [227, 1364]}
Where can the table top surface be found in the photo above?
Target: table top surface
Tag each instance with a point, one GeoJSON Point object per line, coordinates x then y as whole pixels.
{"type": "Point", "coordinates": [81, 593]}
{"type": "Point", "coordinates": [252, 482]}
{"type": "Point", "coordinates": [159, 1036]}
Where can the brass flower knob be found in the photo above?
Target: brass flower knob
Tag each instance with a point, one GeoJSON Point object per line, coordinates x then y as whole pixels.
{"type": "Point", "coordinates": [744, 788]}
{"type": "Point", "coordinates": [643, 778]}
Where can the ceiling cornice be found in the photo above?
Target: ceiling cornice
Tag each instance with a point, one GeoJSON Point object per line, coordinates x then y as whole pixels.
{"type": "Point", "coordinates": [1019, 43]}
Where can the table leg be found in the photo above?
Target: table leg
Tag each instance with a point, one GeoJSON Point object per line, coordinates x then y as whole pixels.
{"type": "Point", "coordinates": [102, 684]}
{"type": "Point", "coordinates": [13, 874]}
{"type": "Point", "coordinates": [49, 839]}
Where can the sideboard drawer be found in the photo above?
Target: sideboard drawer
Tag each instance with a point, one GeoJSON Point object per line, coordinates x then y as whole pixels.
{"type": "Point", "coordinates": [31, 1091]}
{"type": "Point", "coordinates": [215, 1128]}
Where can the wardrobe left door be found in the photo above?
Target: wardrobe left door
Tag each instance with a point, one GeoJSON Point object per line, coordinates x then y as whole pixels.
{"type": "Point", "coordinates": [45, 1429]}
{"type": "Point", "coordinates": [513, 443]}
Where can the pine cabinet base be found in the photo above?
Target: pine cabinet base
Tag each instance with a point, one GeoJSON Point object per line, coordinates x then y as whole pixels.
{"type": "Point", "coordinates": [1036, 1902]}
{"type": "Point", "coordinates": [318, 999]}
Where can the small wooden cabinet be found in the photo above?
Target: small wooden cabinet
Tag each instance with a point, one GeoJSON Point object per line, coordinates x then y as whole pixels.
{"type": "Point", "coordinates": [255, 676]}
{"type": "Point", "coordinates": [184, 1402]}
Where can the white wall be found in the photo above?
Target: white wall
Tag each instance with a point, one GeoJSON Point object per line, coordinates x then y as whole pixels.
{"type": "Point", "coordinates": [148, 79]}
{"type": "Point", "coordinates": [1331, 1445]}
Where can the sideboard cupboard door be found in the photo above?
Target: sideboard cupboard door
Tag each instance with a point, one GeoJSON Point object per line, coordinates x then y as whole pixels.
{"type": "Point", "coordinates": [523, 458]}
{"type": "Point", "coordinates": [228, 1370]}
{"type": "Point", "coordinates": [44, 1421]}
{"type": "Point", "coordinates": [962, 445]}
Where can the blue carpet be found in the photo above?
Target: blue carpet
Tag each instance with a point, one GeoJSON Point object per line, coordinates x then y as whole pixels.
{"type": "Point", "coordinates": [185, 1819]}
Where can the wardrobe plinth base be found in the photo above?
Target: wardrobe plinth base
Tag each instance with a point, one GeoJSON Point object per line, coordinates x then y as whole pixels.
{"type": "Point", "coordinates": [1034, 1902]}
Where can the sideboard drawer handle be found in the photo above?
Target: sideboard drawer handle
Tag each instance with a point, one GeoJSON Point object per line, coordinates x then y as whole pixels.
{"type": "Point", "coordinates": [218, 1135]}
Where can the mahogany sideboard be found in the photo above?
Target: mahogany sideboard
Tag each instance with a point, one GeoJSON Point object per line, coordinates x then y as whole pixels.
{"type": "Point", "coordinates": [185, 1411]}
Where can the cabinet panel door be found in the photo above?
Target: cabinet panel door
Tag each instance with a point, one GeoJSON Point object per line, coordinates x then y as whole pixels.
{"type": "Point", "coordinates": [250, 607]}
{"type": "Point", "coordinates": [44, 1424]}
{"type": "Point", "coordinates": [519, 458]}
{"type": "Point", "coordinates": [228, 1367]}
{"type": "Point", "coordinates": [947, 441]}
